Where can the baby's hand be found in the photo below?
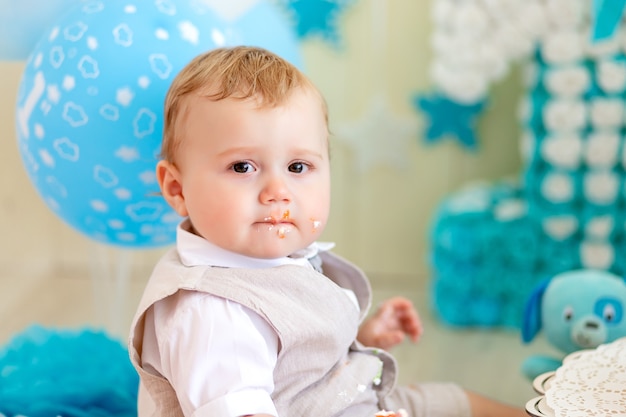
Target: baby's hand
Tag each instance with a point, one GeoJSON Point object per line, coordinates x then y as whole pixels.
{"type": "Point", "coordinates": [394, 319]}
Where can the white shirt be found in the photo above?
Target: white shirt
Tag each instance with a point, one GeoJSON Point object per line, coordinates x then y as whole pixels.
{"type": "Point", "coordinates": [244, 372]}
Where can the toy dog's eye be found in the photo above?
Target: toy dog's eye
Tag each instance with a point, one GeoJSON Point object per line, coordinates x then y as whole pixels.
{"type": "Point", "coordinates": [608, 313]}
{"type": "Point", "coordinates": [568, 313]}
{"type": "Point", "coordinates": [609, 309]}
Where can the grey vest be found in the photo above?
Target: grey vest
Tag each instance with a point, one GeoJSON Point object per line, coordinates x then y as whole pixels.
{"type": "Point", "coordinates": [321, 370]}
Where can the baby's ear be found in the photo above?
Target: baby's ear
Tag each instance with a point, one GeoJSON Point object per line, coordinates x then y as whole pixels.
{"type": "Point", "coordinates": [171, 186]}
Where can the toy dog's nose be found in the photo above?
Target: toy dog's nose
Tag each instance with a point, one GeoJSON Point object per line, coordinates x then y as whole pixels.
{"type": "Point", "coordinates": [591, 325]}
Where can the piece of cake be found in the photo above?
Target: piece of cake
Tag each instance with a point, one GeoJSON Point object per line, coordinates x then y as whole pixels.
{"type": "Point", "coordinates": [384, 413]}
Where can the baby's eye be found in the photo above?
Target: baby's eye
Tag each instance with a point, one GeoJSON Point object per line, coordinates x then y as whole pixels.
{"type": "Point", "coordinates": [298, 167]}
{"type": "Point", "coordinates": [242, 167]}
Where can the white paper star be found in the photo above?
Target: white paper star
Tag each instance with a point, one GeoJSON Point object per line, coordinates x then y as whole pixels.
{"type": "Point", "coordinates": [380, 137]}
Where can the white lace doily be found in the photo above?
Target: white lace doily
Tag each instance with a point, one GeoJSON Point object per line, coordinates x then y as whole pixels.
{"type": "Point", "coordinates": [590, 383]}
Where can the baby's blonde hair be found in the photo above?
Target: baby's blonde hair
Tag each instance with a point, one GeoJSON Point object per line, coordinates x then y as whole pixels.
{"type": "Point", "coordinates": [239, 72]}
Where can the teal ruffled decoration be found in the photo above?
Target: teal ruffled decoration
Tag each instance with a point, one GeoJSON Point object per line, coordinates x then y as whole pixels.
{"type": "Point", "coordinates": [485, 255]}
{"type": "Point", "coordinates": [47, 373]}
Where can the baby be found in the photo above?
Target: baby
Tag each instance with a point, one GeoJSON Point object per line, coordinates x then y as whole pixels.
{"type": "Point", "coordinates": [249, 315]}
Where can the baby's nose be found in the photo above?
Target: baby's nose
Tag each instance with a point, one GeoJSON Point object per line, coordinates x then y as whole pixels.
{"type": "Point", "coordinates": [275, 190]}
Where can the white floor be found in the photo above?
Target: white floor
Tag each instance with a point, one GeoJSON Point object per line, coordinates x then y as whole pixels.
{"type": "Point", "coordinates": [486, 361]}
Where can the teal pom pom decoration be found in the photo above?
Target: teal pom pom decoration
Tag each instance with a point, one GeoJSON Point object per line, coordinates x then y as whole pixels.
{"type": "Point", "coordinates": [80, 373]}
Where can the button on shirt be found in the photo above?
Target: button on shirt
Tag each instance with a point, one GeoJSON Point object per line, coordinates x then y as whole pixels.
{"type": "Point", "coordinates": [184, 334]}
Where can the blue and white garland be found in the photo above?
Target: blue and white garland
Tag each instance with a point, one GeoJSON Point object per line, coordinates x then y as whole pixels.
{"type": "Point", "coordinates": [475, 43]}
{"type": "Point", "coordinates": [571, 193]}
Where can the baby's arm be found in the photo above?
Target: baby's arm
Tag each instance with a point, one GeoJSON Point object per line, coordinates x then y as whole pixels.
{"type": "Point", "coordinates": [394, 319]}
{"type": "Point", "coordinates": [200, 336]}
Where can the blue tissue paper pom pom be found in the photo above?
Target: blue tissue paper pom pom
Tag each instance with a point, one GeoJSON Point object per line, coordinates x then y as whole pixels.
{"type": "Point", "coordinates": [66, 373]}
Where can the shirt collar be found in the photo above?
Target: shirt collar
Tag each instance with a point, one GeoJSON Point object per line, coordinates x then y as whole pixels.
{"type": "Point", "coordinates": [195, 251]}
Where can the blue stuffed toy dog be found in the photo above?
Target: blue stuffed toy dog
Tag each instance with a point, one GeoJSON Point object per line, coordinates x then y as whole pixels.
{"type": "Point", "coordinates": [576, 310]}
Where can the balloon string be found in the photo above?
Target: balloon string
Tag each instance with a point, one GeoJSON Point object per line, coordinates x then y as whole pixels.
{"type": "Point", "coordinates": [98, 281]}
{"type": "Point", "coordinates": [110, 273]}
{"type": "Point", "coordinates": [121, 289]}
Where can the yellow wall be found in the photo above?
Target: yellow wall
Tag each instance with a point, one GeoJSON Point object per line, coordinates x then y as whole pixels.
{"type": "Point", "coordinates": [380, 218]}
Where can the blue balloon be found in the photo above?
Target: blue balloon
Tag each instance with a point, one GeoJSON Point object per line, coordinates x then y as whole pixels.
{"type": "Point", "coordinates": [89, 107]}
{"type": "Point", "coordinates": [23, 22]}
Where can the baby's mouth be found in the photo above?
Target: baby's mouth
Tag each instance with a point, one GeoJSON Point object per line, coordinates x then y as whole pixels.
{"type": "Point", "coordinates": [278, 218]}
{"type": "Point", "coordinates": [281, 222]}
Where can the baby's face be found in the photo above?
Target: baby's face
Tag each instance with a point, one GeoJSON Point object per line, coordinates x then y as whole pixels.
{"type": "Point", "coordinates": [256, 181]}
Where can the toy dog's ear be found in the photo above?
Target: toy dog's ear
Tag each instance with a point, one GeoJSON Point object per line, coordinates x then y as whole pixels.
{"type": "Point", "coordinates": [531, 323]}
